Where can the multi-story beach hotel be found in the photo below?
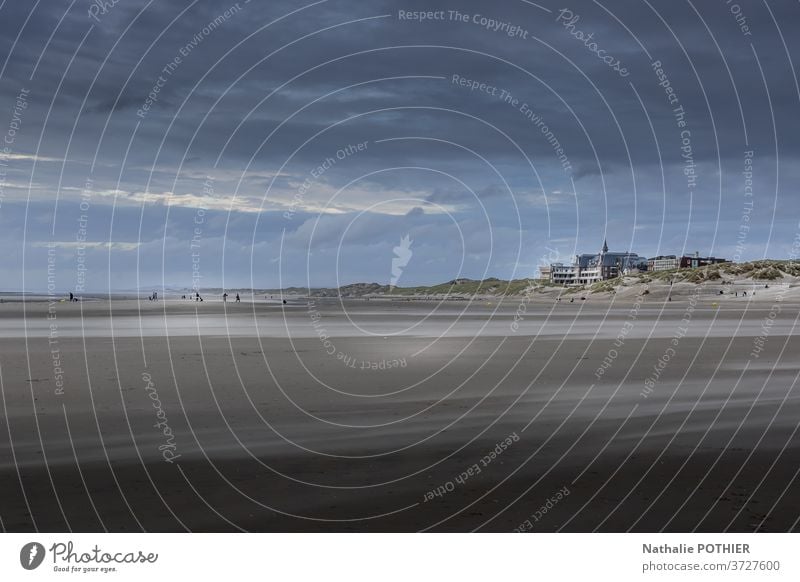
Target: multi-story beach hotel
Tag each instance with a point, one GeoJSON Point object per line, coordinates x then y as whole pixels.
{"type": "Point", "coordinates": [591, 268]}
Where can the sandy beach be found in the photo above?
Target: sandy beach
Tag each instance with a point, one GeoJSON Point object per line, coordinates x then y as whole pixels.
{"type": "Point", "coordinates": [613, 413]}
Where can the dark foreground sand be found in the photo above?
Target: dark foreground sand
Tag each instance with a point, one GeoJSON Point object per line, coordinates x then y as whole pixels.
{"type": "Point", "coordinates": [345, 417]}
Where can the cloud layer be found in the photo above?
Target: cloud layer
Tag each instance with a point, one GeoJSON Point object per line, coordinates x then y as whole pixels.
{"type": "Point", "coordinates": [297, 144]}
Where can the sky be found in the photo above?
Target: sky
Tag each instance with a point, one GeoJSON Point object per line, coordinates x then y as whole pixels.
{"type": "Point", "coordinates": [152, 144]}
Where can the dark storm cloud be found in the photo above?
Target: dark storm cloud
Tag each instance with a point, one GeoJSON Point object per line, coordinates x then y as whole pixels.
{"type": "Point", "coordinates": [149, 103]}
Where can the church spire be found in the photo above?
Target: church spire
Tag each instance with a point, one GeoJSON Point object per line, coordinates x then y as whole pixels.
{"type": "Point", "coordinates": [605, 246]}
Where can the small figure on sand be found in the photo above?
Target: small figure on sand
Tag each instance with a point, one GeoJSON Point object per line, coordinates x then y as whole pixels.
{"type": "Point", "coordinates": [237, 298]}
{"type": "Point", "coordinates": [71, 297]}
{"type": "Point", "coordinates": [197, 296]}
{"type": "Point", "coordinates": [224, 297]}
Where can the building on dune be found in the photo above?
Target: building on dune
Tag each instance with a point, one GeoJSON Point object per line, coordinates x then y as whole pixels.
{"type": "Point", "coordinates": [663, 263]}
{"type": "Point", "coordinates": [593, 267]}
{"type": "Point", "coordinates": [694, 261]}
{"type": "Point", "coordinates": [590, 268]}
{"type": "Point", "coordinates": [667, 262]}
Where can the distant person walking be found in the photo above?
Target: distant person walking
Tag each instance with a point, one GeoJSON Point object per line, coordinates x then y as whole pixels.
{"type": "Point", "coordinates": [237, 298]}
{"type": "Point", "coordinates": [71, 297]}
{"type": "Point", "coordinates": [197, 296]}
{"type": "Point", "coordinates": [224, 297]}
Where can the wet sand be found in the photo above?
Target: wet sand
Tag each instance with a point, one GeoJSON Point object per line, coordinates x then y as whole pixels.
{"type": "Point", "coordinates": [389, 415]}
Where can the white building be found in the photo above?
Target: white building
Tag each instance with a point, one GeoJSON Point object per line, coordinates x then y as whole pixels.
{"type": "Point", "coordinates": [544, 272]}
{"type": "Point", "coordinates": [591, 268]}
{"type": "Point", "coordinates": [562, 274]}
{"type": "Point", "coordinates": [663, 263]}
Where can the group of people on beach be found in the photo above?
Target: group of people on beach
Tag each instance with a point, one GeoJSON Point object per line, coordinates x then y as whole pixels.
{"type": "Point", "coordinates": [196, 297]}
{"type": "Point", "coordinates": [238, 299]}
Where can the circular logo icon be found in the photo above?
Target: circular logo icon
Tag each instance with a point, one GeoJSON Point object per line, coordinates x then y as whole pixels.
{"type": "Point", "coordinates": [31, 555]}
